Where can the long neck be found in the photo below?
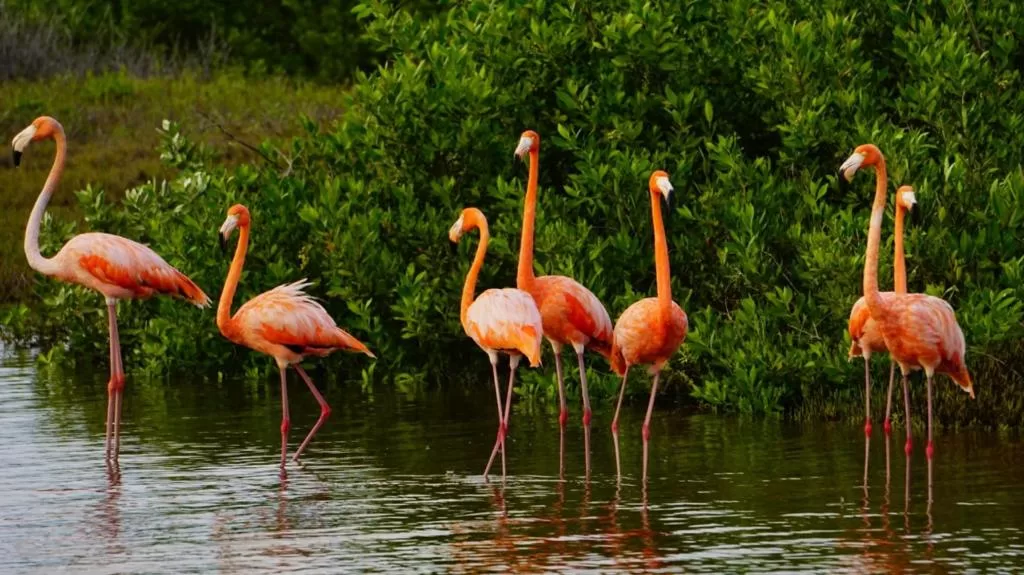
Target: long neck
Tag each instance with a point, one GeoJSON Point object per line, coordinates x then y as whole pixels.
{"type": "Point", "coordinates": [36, 259]}
{"type": "Point", "coordinates": [874, 300]}
{"type": "Point", "coordinates": [899, 264]}
{"type": "Point", "coordinates": [661, 268]}
{"type": "Point", "coordinates": [524, 277]}
{"type": "Point", "coordinates": [469, 289]}
{"type": "Point", "coordinates": [231, 283]}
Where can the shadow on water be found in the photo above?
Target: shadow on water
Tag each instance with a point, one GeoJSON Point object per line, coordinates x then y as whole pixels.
{"type": "Point", "coordinates": [392, 481]}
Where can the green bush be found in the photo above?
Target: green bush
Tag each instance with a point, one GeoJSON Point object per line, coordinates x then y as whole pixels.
{"type": "Point", "coordinates": [750, 106]}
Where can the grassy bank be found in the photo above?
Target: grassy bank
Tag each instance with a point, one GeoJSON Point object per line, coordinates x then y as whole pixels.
{"type": "Point", "coordinates": [112, 120]}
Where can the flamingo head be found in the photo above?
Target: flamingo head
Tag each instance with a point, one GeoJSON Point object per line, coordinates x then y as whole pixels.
{"type": "Point", "coordinates": [660, 184]}
{"type": "Point", "coordinates": [41, 128]}
{"type": "Point", "coordinates": [238, 216]}
{"type": "Point", "coordinates": [865, 155]}
{"type": "Point", "coordinates": [469, 218]}
{"type": "Point", "coordinates": [529, 142]}
{"type": "Point", "coordinates": [905, 198]}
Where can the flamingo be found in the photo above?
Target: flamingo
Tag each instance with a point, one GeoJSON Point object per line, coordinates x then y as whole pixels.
{"type": "Point", "coordinates": [652, 329]}
{"type": "Point", "coordinates": [499, 321]}
{"type": "Point", "coordinates": [920, 331]}
{"type": "Point", "coordinates": [116, 267]}
{"type": "Point", "coordinates": [571, 313]}
{"type": "Point", "coordinates": [285, 323]}
{"type": "Point", "coordinates": [864, 332]}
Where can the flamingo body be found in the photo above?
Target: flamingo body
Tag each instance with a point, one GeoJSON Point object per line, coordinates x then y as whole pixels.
{"type": "Point", "coordinates": [507, 321]}
{"type": "Point", "coordinates": [287, 324]}
{"type": "Point", "coordinates": [119, 268]}
{"type": "Point", "coordinates": [571, 313]}
{"type": "Point", "coordinates": [864, 332]}
{"type": "Point", "coordinates": [636, 336]}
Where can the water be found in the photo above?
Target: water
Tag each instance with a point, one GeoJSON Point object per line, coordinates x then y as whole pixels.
{"type": "Point", "coordinates": [392, 482]}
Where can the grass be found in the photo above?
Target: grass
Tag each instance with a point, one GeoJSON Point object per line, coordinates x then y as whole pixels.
{"type": "Point", "coordinates": [111, 120]}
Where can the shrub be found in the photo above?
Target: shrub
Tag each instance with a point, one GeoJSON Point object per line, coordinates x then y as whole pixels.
{"type": "Point", "coordinates": [750, 106]}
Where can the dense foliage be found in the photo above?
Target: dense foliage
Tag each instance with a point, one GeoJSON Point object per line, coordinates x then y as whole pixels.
{"type": "Point", "coordinates": [750, 106]}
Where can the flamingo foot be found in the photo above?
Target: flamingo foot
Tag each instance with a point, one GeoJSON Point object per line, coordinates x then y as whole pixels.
{"type": "Point", "coordinates": [563, 417]}
{"type": "Point", "coordinates": [867, 427]}
{"type": "Point", "coordinates": [908, 447]}
{"type": "Point", "coordinates": [930, 450]}
{"type": "Point", "coordinates": [888, 427]}
{"type": "Point", "coordinates": [586, 417]}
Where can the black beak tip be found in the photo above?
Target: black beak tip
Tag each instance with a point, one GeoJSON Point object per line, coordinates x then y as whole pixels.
{"type": "Point", "coordinates": [223, 242]}
{"type": "Point", "coordinates": [17, 158]}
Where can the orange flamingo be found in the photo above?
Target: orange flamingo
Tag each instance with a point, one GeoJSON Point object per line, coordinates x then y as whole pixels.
{"type": "Point", "coordinates": [652, 329]}
{"type": "Point", "coordinates": [116, 267]}
{"type": "Point", "coordinates": [920, 331]}
{"type": "Point", "coordinates": [285, 323]}
{"type": "Point", "coordinates": [570, 312]}
{"type": "Point", "coordinates": [867, 339]}
{"type": "Point", "coordinates": [499, 321]}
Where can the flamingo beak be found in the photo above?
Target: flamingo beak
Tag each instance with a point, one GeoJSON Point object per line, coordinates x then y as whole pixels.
{"type": "Point", "coordinates": [665, 187]}
{"type": "Point", "coordinates": [21, 142]}
{"type": "Point", "coordinates": [910, 199]}
{"type": "Point", "coordinates": [455, 232]}
{"type": "Point", "coordinates": [225, 231]}
{"type": "Point", "coordinates": [524, 147]}
{"type": "Point", "coordinates": [851, 165]}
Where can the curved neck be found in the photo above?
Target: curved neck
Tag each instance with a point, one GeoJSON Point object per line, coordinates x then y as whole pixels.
{"type": "Point", "coordinates": [469, 289]}
{"type": "Point", "coordinates": [231, 283]}
{"type": "Point", "coordinates": [874, 300]}
{"type": "Point", "coordinates": [525, 276]}
{"type": "Point", "coordinates": [899, 264]}
{"type": "Point", "coordinates": [661, 268]}
{"type": "Point", "coordinates": [36, 259]}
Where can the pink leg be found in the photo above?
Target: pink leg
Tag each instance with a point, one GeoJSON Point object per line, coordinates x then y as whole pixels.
{"type": "Point", "coordinates": [647, 421]}
{"type": "Point", "coordinates": [111, 385]}
{"type": "Point", "coordinates": [930, 449]}
{"type": "Point", "coordinates": [513, 363]}
{"type": "Point", "coordinates": [563, 411]}
{"type": "Point", "coordinates": [325, 411]}
{"type": "Point", "coordinates": [888, 398]}
{"type": "Point", "coordinates": [909, 446]}
{"type": "Point", "coordinates": [867, 397]}
{"type": "Point", "coordinates": [622, 392]}
{"type": "Point", "coordinates": [285, 420]}
{"type": "Point", "coordinates": [586, 409]}
{"type": "Point", "coordinates": [117, 380]}
{"type": "Point", "coordinates": [618, 463]}
{"type": "Point", "coordinates": [499, 444]}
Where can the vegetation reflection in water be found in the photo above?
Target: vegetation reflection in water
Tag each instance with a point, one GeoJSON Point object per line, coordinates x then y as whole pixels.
{"type": "Point", "coordinates": [395, 484]}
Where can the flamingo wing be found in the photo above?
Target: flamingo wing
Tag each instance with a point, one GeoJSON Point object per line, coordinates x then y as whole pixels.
{"type": "Point", "coordinates": [119, 267]}
{"type": "Point", "coordinates": [506, 319]}
{"type": "Point", "coordinates": [566, 301]}
{"type": "Point", "coordinates": [289, 317]}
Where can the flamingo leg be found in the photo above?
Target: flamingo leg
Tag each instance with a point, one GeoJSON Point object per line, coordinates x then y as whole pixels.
{"type": "Point", "coordinates": [563, 411]}
{"type": "Point", "coordinates": [285, 420]}
{"type": "Point", "coordinates": [930, 449]}
{"type": "Point", "coordinates": [325, 411]}
{"type": "Point", "coordinates": [909, 446]}
{"type": "Point", "coordinates": [586, 409]}
{"type": "Point", "coordinates": [499, 444]}
{"type": "Point", "coordinates": [647, 421]}
{"type": "Point", "coordinates": [888, 398]}
{"type": "Point", "coordinates": [513, 363]}
{"type": "Point", "coordinates": [114, 389]}
{"type": "Point", "coordinates": [867, 396]}
{"type": "Point", "coordinates": [618, 407]}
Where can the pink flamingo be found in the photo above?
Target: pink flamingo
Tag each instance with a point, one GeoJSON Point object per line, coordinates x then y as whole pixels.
{"type": "Point", "coordinates": [285, 323]}
{"type": "Point", "coordinates": [867, 339]}
{"type": "Point", "coordinates": [652, 329]}
{"type": "Point", "coordinates": [920, 331]}
{"type": "Point", "coordinates": [499, 321]}
{"type": "Point", "coordinates": [116, 267]}
{"type": "Point", "coordinates": [570, 312]}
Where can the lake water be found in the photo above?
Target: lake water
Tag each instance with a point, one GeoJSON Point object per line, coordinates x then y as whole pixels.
{"type": "Point", "coordinates": [393, 482]}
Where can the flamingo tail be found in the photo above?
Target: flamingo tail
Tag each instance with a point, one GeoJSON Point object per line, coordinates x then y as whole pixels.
{"type": "Point", "coordinates": [617, 360]}
{"type": "Point", "coordinates": [346, 341]}
{"type": "Point", "coordinates": [958, 372]}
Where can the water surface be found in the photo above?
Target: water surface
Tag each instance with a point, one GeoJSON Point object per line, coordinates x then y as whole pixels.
{"type": "Point", "coordinates": [393, 482]}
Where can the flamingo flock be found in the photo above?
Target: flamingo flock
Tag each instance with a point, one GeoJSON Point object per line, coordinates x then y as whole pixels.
{"type": "Point", "coordinates": [919, 332]}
